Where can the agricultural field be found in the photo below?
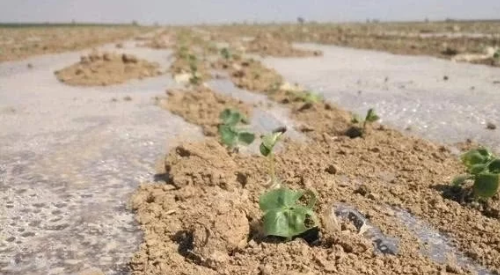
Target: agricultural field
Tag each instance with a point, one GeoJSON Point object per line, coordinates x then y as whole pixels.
{"type": "Point", "coordinates": [250, 149]}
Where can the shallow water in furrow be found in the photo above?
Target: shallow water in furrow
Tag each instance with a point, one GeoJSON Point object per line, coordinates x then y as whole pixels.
{"type": "Point", "coordinates": [70, 158]}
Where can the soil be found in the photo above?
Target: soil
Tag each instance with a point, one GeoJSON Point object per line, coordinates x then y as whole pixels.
{"type": "Point", "coordinates": [102, 69]}
{"type": "Point", "coordinates": [202, 107]}
{"type": "Point", "coordinates": [210, 224]}
{"type": "Point", "coordinates": [266, 45]}
{"type": "Point", "coordinates": [20, 43]}
{"type": "Point", "coordinates": [440, 39]}
{"type": "Point", "coordinates": [382, 173]}
{"type": "Point", "coordinates": [252, 75]}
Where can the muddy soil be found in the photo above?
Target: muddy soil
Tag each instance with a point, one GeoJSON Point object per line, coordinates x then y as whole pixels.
{"type": "Point", "coordinates": [102, 69]}
{"type": "Point", "coordinates": [19, 43]}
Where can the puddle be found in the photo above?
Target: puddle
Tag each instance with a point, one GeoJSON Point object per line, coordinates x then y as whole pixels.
{"type": "Point", "coordinates": [409, 92]}
{"type": "Point", "coordinates": [70, 161]}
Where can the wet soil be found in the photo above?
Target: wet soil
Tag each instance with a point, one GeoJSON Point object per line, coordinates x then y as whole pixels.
{"type": "Point", "coordinates": [102, 69]}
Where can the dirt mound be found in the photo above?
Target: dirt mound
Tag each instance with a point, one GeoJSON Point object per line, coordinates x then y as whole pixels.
{"type": "Point", "coordinates": [102, 69]}
{"type": "Point", "coordinates": [203, 227]}
{"type": "Point", "coordinates": [267, 45]}
{"type": "Point", "coordinates": [202, 107]}
{"type": "Point", "coordinates": [250, 74]}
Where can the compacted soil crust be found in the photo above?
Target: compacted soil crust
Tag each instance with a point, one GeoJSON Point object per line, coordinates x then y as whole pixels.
{"type": "Point", "coordinates": [102, 69]}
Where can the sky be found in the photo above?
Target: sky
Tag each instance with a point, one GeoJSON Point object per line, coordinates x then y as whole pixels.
{"type": "Point", "coordinates": [227, 11]}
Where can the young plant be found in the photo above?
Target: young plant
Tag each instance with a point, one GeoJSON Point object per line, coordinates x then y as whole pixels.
{"type": "Point", "coordinates": [371, 117]}
{"type": "Point", "coordinates": [266, 149]}
{"type": "Point", "coordinates": [309, 96]}
{"type": "Point", "coordinates": [195, 78]}
{"type": "Point", "coordinates": [496, 55]}
{"type": "Point", "coordinates": [484, 169]}
{"type": "Point", "coordinates": [225, 53]}
{"type": "Point", "coordinates": [230, 134]}
{"type": "Point", "coordinates": [287, 213]}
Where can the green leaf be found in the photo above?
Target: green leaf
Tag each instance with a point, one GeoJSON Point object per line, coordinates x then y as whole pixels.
{"type": "Point", "coordinates": [355, 118]}
{"type": "Point", "coordinates": [228, 136]}
{"type": "Point", "coordinates": [225, 53]}
{"type": "Point", "coordinates": [268, 141]}
{"type": "Point", "coordinates": [477, 168]}
{"type": "Point", "coordinates": [264, 150]}
{"type": "Point", "coordinates": [246, 137]}
{"type": "Point", "coordinates": [486, 185]}
{"type": "Point", "coordinates": [231, 117]}
{"type": "Point", "coordinates": [371, 116]}
{"type": "Point", "coordinates": [494, 166]}
{"type": "Point", "coordinates": [476, 156]}
{"type": "Point", "coordinates": [460, 180]}
{"type": "Point", "coordinates": [283, 215]}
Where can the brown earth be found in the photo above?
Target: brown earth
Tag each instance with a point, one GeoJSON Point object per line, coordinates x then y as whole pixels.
{"type": "Point", "coordinates": [201, 107]}
{"type": "Point", "coordinates": [206, 220]}
{"type": "Point", "coordinates": [102, 69]}
{"type": "Point", "coordinates": [252, 75]}
{"type": "Point", "coordinates": [20, 43]}
{"type": "Point", "coordinates": [439, 39]}
{"type": "Point", "coordinates": [211, 224]}
{"type": "Point", "coordinates": [210, 190]}
{"type": "Point", "coordinates": [267, 45]}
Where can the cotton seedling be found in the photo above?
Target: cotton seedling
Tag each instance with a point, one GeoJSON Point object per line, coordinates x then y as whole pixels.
{"type": "Point", "coordinates": [484, 169]}
{"type": "Point", "coordinates": [195, 78]}
{"type": "Point", "coordinates": [225, 53]}
{"type": "Point", "coordinates": [370, 117]}
{"type": "Point", "coordinates": [285, 214]}
{"type": "Point", "coordinates": [309, 96]}
{"type": "Point", "coordinates": [496, 55]}
{"type": "Point", "coordinates": [231, 135]}
{"type": "Point", "coordinates": [266, 149]}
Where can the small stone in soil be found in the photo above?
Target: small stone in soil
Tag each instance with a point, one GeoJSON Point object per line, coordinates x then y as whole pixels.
{"type": "Point", "coordinates": [490, 126]}
{"type": "Point", "coordinates": [332, 169]}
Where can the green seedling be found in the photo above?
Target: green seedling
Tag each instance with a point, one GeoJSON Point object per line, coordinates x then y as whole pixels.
{"type": "Point", "coordinates": [484, 169]}
{"type": "Point", "coordinates": [225, 53]}
{"type": "Point", "coordinates": [183, 52]}
{"type": "Point", "coordinates": [371, 117]}
{"type": "Point", "coordinates": [266, 149]}
{"type": "Point", "coordinates": [309, 96]}
{"type": "Point", "coordinates": [496, 55]}
{"type": "Point", "coordinates": [230, 134]}
{"type": "Point", "coordinates": [287, 213]}
{"type": "Point", "coordinates": [195, 78]}
{"type": "Point", "coordinates": [284, 214]}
